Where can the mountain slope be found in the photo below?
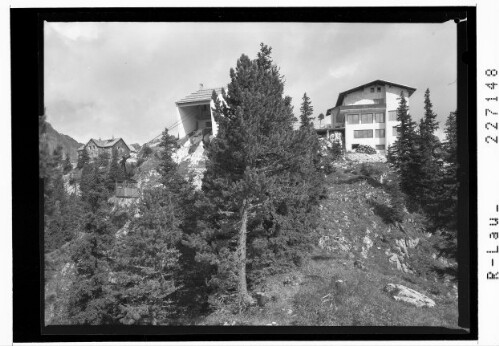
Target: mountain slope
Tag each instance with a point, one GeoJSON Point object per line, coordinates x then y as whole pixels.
{"type": "Point", "coordinates": [54, 138]}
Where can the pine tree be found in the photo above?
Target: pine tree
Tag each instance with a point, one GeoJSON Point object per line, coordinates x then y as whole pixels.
{"type": "Point", "coordinates": [306, 110]}
{"type": "Point", "coordinates": [258, 182]}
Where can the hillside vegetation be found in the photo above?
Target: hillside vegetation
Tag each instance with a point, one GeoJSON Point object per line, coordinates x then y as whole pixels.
{"type": "Point", "coordinates": [264, 224]}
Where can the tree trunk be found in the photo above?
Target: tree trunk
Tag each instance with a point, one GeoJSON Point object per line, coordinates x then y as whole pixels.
{"type": "Point", "coordinates": [243, 290]}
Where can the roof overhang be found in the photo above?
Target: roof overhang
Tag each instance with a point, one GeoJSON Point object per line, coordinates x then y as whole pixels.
{"type": "Point", "coordinates": [378, 81]}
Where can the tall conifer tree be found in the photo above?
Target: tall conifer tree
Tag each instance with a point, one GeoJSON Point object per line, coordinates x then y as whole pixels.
{"type": "Point", "coordinates": [403, 153]}
{"type": "Point", "coordinates": [258, 178]}
{"type": "Point", "coordinates": [306, 111]}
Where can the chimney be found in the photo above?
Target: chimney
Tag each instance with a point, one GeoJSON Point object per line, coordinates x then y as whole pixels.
{"type": "Point", "coordinates": [201, 86]}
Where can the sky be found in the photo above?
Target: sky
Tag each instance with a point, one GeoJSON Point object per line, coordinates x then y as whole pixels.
{"type": "Point", "coordinates": [122, 79]}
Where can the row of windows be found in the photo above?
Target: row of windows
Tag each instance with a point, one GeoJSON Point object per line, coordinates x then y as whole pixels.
{"type": "Point", "coordinates": [368, 118]}
{"type": "Point", "coordinates": [378, 89]}
{"type": "Point", "coordinates": [365, 118]}
{"type": "Point", "coordinates": [378, 133]}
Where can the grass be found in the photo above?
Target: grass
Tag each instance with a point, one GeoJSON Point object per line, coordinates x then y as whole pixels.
{"type": "Point", "coordinates": [318, 300]}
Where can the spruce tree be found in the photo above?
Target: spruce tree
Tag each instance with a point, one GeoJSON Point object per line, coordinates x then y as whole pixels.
{"type": "Point", "coordinates": [306, 110]}
{"type": "Point", "coordinates": [258, 178]}
{"type": "Point", "coordinates": [444, 217]}
{"type": "Point", "coordinates": [403, 154]}
{"type": "Point", "coordinates": [428, 186]}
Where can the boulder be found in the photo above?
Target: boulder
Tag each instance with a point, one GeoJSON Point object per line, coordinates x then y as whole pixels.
{"type": "Point", "coordinates": [408, 295]}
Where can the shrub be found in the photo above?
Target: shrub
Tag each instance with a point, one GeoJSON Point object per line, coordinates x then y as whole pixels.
{"type": "Point", "coordinates": [146, 151]}
{"type": "Point", "coordinates": [366, 149]}
{"type": "Point", "coordinates": [370, 170]}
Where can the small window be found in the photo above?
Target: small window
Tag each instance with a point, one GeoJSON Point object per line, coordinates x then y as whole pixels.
{"type": "Point", "coordinates": [395, 131]}
{"type": "Point", "coordinates": [353, 118]}
{"type": "Point", "coordinates": [367, 118]}
{"type": "Point", "coordinates": [379, 133]}
{"type": "Point", "coordinates": [379, 118]}
{"type": "Point", "coordinates": [392, 115]}
{"type": "Point", "coordinates": [380, 147]}
{"type": "Point", "coordinates": [372, 90]}
{"type": "Point", "coordinates": [379, 101]}
{"type": "Point", "coordinates": [363, 134]}
{"type": "Point", "coordinates": [378, 89]}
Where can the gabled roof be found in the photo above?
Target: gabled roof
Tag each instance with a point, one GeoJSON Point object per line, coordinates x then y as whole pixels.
{"type": "Point", "coordinates": [81, 147]}
{"type": "Point", "coordinates": [107, 143]}
{"type": "Point", "coordinates": [202, 95]}
{"type": "Point", "coordinates": [377, 81]}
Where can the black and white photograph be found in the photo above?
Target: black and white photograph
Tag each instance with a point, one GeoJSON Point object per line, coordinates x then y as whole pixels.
{"type": "Point", "coordinates": [251, 174]}
{"type": "Point", "coordinates": [255, 174]}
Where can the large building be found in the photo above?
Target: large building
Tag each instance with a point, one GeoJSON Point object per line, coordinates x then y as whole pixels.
{"type": "Point", "coordinates": [95, 147]}
{"type": "Point", "coordinates": [366, 115]}
{"type": "Point", "coordinates": [194, 112]}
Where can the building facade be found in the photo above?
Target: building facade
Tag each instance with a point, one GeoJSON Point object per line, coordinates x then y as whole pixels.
{"type": "Point", "coordinates": [194, 112]}
{"type": "Point", "coordinates": [366, 115]}
{"type": "Point", "coordinates": [95, 147]}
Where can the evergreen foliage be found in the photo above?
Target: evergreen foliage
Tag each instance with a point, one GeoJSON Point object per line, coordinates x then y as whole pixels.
{"type": "Point", "coordinates": [430, 164]}
{"type": "Point", "coordinates": [146, 266]}
{"type": "Point", "coordinates": [261, 180]}
{"type": "Point", "coordinates": [320, 117]}
{"type": "Point", "coordinates": [68, 167]}
{"type": "Point", "coordinates": [115, 173]}
{"type": "Point", "coordinates": [83, 159]}
{"type": "Point", "coordinates": [403, 154]}
{"type": "Point", "coordinates": [306, 111]}
{"type": "Point", "coordinates": [90, 301]}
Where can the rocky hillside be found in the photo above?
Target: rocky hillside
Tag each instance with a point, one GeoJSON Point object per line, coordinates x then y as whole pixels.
{"type": "Point", "coordinates": [190, 157]}
{"type": "Point", "coordinates": [55, 138]}
{"type": "Point", "coordinates": [365, 269]}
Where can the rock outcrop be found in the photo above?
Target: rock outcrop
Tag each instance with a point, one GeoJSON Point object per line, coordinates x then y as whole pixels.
{"type": "Point", "coordinates": [408, 295]}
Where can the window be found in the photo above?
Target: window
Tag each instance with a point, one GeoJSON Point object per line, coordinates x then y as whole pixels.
{"type": "Point", "coordinates": [363, 134]}
{"type": "Point", "coordinates": [378, 89]}
{"type": "Point", "coordinates": [367, 118]}
{"type": "Point", "coordinates": [395, 131]}
{"type": "Point", "coordinates": [379, 101]}
{"type": "Point", "coordinates": [372, 90]}
{"type": "Point", "coordinates": [355, 146]}
{"type": "Point", "coordinates": [392, 115]}
{"type": "Point", "coordinates": [380, 147]}
{"type": "Point", "coordinates": [379, 133]}
{"type": "Point", "coordinates": [379, 118]}
{"type": "Point", "coordinates": [353, 118]}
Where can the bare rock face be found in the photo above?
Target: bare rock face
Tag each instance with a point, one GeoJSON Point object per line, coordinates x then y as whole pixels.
{"type": "Point", "coordinates": [408, 295]}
